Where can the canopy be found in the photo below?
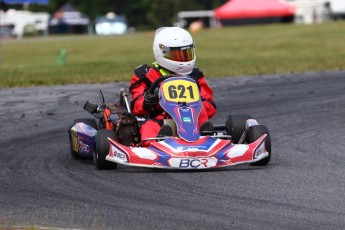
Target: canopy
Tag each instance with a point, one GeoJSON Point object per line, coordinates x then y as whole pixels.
{"type": "Point", "coordinates": [68, 20]}
{"type": "Point", "coordinates": [111, 24]}
{"type": "Point", "coordinates": [337, 6]}
{"type": "Point", "coordinates": [68, 14]}
{"type": "Point", "coordinates": [13, 2]}
{"type": "Point", "coordinates": [235, 9]}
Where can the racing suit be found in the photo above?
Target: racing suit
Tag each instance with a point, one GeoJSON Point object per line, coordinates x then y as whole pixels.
{"type": "Point", "coordinates": [141, 81]}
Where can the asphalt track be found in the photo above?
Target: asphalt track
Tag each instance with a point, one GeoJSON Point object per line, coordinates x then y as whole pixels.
{"type": "Point", "coordinates": [303, 187]}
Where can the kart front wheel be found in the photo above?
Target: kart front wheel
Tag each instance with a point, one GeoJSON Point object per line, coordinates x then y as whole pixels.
{"type": "Point", "coordinates": [254, 133]}
{"type": "Point", "coordinates": [102, 149]}
{"type": "Point", "coordinates": [236, 125]}
{"type": "Point", "coordinates": [87, 121]}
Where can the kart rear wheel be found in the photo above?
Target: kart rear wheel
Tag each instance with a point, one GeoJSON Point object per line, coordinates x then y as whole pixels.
{"type": "Point", "coordinates": [102, 149]}
{"type": "Point", "coordinates": [88, 121]}
{"type": "Point", "coordinates": [254, 133]}
{"type": "Point", "coordinates": [236, 125]}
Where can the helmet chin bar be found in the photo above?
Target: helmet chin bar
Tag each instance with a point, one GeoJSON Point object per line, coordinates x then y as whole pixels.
{"type": "Point", "coordinates": [178, 68]}
{"type": "Point", "coordinates": [182, 71]}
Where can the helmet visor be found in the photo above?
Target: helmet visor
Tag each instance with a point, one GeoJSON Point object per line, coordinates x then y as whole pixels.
{"type": "Point", "coordinates": [181, 54]}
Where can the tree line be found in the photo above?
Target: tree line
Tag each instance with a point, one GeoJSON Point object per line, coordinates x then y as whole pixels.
{"type": "Point", "coordinates": [141, 14]}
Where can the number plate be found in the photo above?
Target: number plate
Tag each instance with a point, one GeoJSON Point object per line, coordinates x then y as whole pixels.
{"type": "Point", "coordinates": [181, 91]}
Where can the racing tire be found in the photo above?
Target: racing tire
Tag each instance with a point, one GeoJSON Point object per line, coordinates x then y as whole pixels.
{"type": "Point", "coordinates": [102, 150]}
{"type": "Point", "coordinates": [88, 121]}
{"type": "Point", "coordinates": [254, 133]}
{"type": "Point", "coordinates": [236, 125]}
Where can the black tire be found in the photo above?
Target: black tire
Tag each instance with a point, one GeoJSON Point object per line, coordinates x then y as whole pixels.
{"type": "Point", "coordinates": [88, 121]}
{"type": "Point", "coordinates": [236, 125]}
{"type": "Point", "coordinates": [254, 133]}
{"type": "Point", "coordinates": [102, 149]}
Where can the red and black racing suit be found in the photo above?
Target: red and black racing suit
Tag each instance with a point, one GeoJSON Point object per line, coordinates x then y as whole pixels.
{"type": "Point", "coordinates": [141, 81]}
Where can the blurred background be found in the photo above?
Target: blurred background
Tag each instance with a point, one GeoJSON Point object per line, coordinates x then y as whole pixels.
{"type": "Point", "coordinates": [49, 42]}
{"type": "Point", "coordinates": [27, 18]}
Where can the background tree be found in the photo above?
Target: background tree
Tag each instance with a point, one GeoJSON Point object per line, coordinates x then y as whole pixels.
{"type": "Point", "coordinates": [166, 14]}
{"type": "Point", "coordinates": [142, 14]}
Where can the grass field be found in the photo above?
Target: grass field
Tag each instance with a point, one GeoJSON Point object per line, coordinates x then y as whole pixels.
{"type": "Point", "coordinates": [230, 51]}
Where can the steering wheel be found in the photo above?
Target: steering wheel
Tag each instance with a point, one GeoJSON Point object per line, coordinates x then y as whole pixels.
{"type": "Point", "coordinates": [156, 83]}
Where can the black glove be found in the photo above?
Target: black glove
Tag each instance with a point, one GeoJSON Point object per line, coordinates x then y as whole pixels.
{"type": "Point", "coordinates": [150, 100]}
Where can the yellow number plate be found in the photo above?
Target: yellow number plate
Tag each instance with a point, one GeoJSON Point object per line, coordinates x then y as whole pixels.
{"type": "Point", "coordinates": [181, 91]}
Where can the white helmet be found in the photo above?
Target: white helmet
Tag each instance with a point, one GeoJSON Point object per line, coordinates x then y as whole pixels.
{"type": "Point", "coordinates": [174, 49]}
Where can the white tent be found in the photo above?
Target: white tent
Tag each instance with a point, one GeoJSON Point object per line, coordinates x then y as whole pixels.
{"type": "Point", "coordinates": [21, 19]}
{"type": "Point", "coordinates": [337, 7]}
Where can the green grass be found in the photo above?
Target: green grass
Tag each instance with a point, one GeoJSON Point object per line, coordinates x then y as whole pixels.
{"type": "Point", "coordinates": [230, 51]}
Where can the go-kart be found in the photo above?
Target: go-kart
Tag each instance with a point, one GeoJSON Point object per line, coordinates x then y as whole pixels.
{"type": "Point", "coordinates": [115, 138]}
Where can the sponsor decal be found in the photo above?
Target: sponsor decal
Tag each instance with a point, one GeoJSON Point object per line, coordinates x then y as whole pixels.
{"type": "Point", "coordinates": [81, 142]}
{"type": "Point", "coordinates": [193, 163]}
{"type": "Point", "coordinates": [185, 110]}
{"type": "Point", "coordinates": [83, 148]}
{"type": "Point", "coordinates": [187, 120]}
{"type": "Point", "coordinates": [120, 155]}
{"type": "Point", "coordinates": [260, 150]}
{"type": "Point", "coordinates": [202, 145]}
{"type": "Point", "coordinates": [74, 138]}
{"type": "Point", "coordinates": [117, 153]}
{"type": "Point", "coordinates": [191, 148]}
{"type": "Point", "coordinates": [189, 163]}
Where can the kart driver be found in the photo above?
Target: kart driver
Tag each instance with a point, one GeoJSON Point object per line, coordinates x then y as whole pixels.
{"type": "Point", "coordinates": [174, 52]}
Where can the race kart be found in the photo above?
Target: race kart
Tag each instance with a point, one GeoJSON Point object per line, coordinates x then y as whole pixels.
{"type": "Point", "coordinates": [115, 138]}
